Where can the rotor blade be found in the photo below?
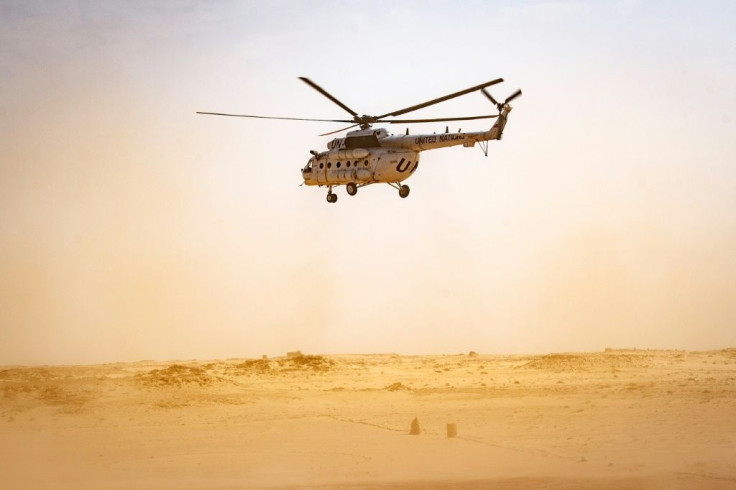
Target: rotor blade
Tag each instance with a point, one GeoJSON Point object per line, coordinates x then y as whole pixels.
{"type": "Point", "coordinates": [339, 130]}
{"type": "Point", "coordinates": [270, 117]}
{"type": "Point", "coordinates": [490, 97]}
{"type": "Point", "coordinates": [441, 99]}
{"type": "Point", "coordinates": [327, 94]}
{"type": "Point", "coordinates": [438, 119]}
{"type": "Point", "coordinates": [512, 96]}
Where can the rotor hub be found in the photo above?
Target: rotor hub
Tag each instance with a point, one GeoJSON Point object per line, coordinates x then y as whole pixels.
{"type": "Point", "coordinates": [365, 121]}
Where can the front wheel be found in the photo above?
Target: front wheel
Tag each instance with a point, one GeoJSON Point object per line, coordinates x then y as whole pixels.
{"type": "Point", "coordinates": [403, 191]}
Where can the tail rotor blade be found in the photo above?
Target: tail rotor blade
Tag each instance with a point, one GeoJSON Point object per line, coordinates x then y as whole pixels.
{"type": "Point", "coordinates": [512, 96]}
{"type": "Point", "coordinates": [490, 97]}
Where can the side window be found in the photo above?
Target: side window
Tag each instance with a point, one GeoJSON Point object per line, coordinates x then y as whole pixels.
{"type": "Point", "coordinates": [338, 165]}
{"type": "Point", "coordinates": [321, 164]}
{"type": "Point", "coordinates": [347, 165]}
{"type": "Point", "coordinates": [329, 164]}
{"type": "Point", "coordinates": [365, 163]}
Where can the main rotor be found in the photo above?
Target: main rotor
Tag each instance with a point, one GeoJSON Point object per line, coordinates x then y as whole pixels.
{"type": "Point", "coordinates": [366, 121]}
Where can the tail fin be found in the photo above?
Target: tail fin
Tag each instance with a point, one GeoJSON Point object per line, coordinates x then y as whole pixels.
{"type": "Point", "coordinates": [496, 130]}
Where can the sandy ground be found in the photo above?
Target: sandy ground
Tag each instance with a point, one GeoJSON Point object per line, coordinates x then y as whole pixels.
{"type": "Point", "coordinates": [614, 419]}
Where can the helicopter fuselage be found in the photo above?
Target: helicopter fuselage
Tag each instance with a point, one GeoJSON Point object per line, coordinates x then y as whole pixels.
{"type": "Point", "coordinates": [361, 166]}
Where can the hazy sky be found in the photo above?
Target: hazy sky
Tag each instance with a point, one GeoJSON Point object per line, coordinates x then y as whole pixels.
{"type": "Point", "coordinates": [132, 228]}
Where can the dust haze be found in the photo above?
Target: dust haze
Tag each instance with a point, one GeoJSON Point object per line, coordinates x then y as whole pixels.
{"type": "Point", "coordinates": [130, 228]}
{"type": "Point", "coordinates": [112, 251]}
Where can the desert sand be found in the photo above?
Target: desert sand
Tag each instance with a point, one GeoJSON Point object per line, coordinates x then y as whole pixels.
{"type": "Point", "coordinates": [613, 419]}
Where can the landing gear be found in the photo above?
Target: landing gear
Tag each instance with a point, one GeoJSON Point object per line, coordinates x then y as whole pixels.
{"type": "Point", "coordinates": [351, 188]}
{"type": "Point", "coordinates": [330, 196]}
{"type": "Point", "coordinates": [403, 189]}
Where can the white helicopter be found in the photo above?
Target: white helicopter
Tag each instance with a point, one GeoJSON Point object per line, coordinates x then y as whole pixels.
{"type": "Point", "coordinates": [370, 156]}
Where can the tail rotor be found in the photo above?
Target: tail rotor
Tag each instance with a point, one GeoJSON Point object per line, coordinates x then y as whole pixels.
{"type": "Point", "coordinates": [499, 105]}
{"type": "Point", "coordinates": [501, 122]}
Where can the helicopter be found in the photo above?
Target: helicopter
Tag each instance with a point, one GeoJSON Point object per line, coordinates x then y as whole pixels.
{"type": "Point", "coordinates": [370, 156]}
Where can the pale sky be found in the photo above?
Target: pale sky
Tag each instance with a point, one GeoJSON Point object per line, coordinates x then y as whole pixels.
{"type": "Point", "coordinates": [132, 228]}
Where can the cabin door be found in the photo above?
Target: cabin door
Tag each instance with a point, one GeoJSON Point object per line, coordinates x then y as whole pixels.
{"type": "Point", "coordinates": [321, 172]}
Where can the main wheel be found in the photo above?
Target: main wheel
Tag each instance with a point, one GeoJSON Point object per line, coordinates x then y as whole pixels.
{"type": "Point", "coordinates": [352, 188]}
{"type": "Point", "coordinates": [403, 191]}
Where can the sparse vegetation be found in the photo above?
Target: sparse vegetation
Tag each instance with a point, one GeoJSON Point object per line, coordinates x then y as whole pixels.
{"type": "Point", "coordinates": [299, 362]}
{"type": "Point", "coordinates": [259, 365]}
{"type": "Point", "coordinates": [315, 363]}
{"type": "Point", "coordinates": [588, 362]}
{"type": "Point", "coordinates": [397, 387]}
{"type": "Point", "coordinates": [177, 375]}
